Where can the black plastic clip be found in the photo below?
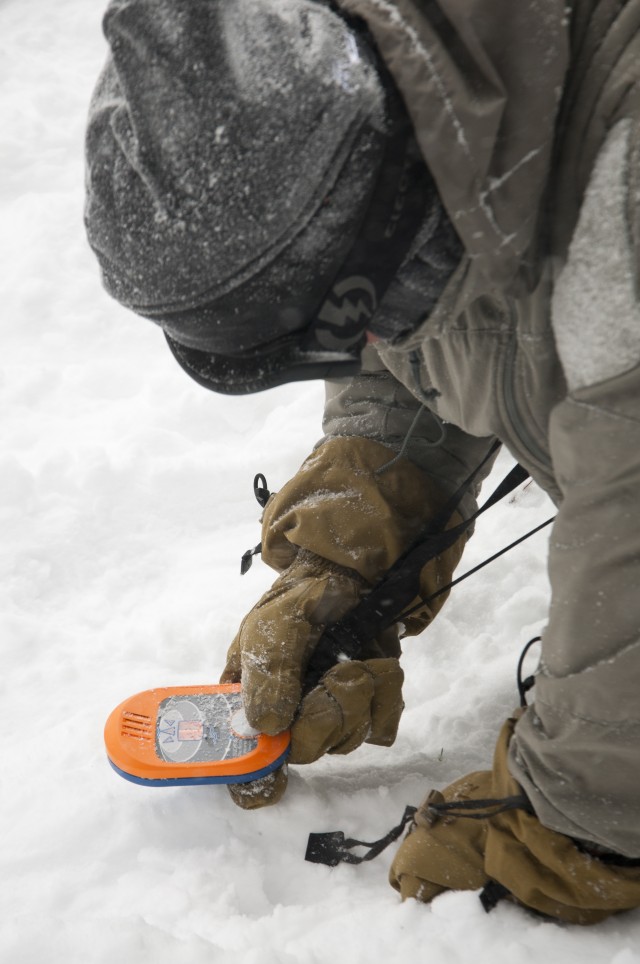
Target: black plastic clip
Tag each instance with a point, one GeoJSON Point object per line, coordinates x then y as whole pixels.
{"type": "Point", "coordinates": [328, 848]}
{"type": "Point", "coordinates": [262, 494]}
{"type": "Point", "coordinates": [247, 558]}
{"type": "Point", "coordinates": [491, 895]}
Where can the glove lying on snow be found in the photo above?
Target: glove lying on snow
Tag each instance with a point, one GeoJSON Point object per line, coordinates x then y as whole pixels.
{"type": "Point", "coordinates": [332, 532]}
{"type": "Point", "coordinates": [508, 853]}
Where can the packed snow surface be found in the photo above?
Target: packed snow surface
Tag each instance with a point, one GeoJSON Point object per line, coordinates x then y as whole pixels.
{"type": "Point", "coordinates": [125, 505]}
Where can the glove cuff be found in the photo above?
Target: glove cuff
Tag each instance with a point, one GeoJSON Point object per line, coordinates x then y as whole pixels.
{"type": "Point", "coordinates": [353, 505]}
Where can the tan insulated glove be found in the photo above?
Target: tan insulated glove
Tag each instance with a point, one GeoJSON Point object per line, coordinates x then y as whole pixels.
{"type": "Point", "coordinates": [355, 701]}
{"type": "Point", "coordinates": [332, 531]}
{"type": "Point", "coordinates": [539, 868]}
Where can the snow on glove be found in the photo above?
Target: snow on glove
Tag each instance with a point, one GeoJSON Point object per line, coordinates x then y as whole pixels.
{"type": "Point", "coordinates": [357, 506]}
{"type": "Point", "coordinates": [536, 867]}
{"type": "Point", "coordinates": [355, 701]}
{"type": "Point", "coordinates": [276, 639]}
{"type": "Point", "coordinates": [332, 531]}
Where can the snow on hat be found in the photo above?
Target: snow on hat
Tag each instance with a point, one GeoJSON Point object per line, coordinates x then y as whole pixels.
{"type": "Point", "coordinates": [232, 147]}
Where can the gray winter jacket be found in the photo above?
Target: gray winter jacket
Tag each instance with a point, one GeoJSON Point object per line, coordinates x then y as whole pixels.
{"type": "Point", "coordinates": [528, 115]}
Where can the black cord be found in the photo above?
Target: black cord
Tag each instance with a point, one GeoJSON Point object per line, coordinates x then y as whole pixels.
{"type": "Point", "coordinates": [481, 565]}
{"type": "Point", "coordinates": [524, 685]}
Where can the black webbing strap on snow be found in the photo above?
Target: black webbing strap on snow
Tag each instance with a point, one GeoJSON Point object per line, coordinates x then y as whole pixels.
{"type": "Point", "coordinates": [332, 848]}
{"type": "Point", "coordinates": [400, 585]}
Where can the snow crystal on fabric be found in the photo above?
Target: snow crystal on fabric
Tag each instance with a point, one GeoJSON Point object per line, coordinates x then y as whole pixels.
{"type": "Point", "coordinates": [596, 315]}
{"type": "Point", "coordinates": [308, 35]}
{"type": "Point", "coordinates": [178, 216]}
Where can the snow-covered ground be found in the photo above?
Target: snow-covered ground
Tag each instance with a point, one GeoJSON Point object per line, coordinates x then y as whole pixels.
{"type": "Point", "coordinates": [125, 504]}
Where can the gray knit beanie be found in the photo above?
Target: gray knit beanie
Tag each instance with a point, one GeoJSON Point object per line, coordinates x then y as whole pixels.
{"type": "Point", "coordinates": [232, 149]}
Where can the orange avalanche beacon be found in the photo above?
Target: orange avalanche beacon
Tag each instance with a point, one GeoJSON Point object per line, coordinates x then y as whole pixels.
{"type": "Point", "coordinates": [185, 735]}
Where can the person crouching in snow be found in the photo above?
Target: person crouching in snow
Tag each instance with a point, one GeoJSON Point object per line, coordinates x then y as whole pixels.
{"type": "Point", "coordinates": [435, 208]}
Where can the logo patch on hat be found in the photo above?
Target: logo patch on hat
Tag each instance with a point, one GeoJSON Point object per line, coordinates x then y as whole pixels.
{"type": "Point", "coordinates": [344, 314]}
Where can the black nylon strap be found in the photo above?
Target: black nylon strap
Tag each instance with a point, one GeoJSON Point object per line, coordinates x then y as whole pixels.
{"type": "Point", "coordinates": [480, 809]}
{"type": "Point", "coordinates": [397, 589]}
{"type": "Point", "coordinates": [454, 582]}
{"type": "Point", "coordinates": [332, 848]}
